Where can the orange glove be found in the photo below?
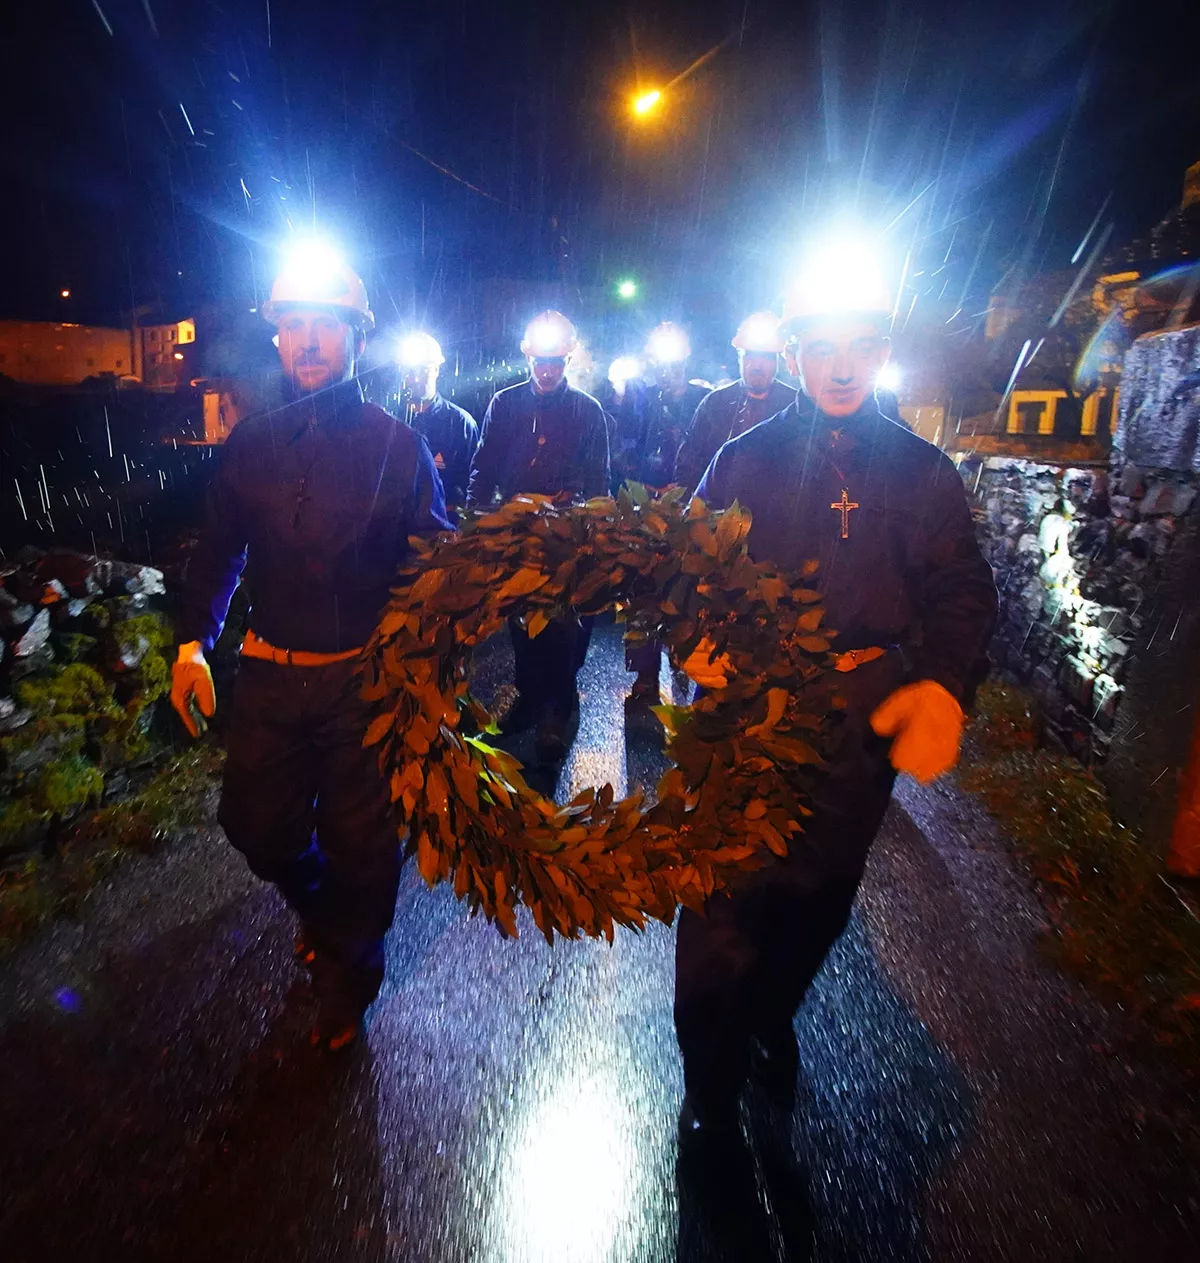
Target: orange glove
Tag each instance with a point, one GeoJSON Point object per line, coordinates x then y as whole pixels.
{"type": "Point", "coordinates": [192, 692]}
{"type": "Point", "coordinates": [708, 672]}
{"type": "Point", "coordinates": [927, 724]}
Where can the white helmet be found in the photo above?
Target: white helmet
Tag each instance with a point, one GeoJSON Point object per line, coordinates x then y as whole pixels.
{"type": "Point", "coordinates": [420, 350]}
{"type": "Point", "coordinates": [668, 343]}
{"type": "Point", "coordinates": [759, 334]}
{"type": "Point", "coordinates": [549, 336]}
{"type": "Point", "coordinates": [315, 275]}
{"type": "Point", "coordinates": [842, 279]}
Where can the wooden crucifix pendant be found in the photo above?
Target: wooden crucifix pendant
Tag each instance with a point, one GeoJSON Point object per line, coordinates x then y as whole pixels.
{"type": "Point", "coordinates": [843, 506]}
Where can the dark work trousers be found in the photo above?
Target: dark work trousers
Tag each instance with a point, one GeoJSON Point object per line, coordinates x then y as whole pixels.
{"type": "Point", "coordinates": [742, 969]}
{"type": "Point", "coordinates": [546, 664]}
{"type": "Point", "coordinates": [306, 805]}
{"type": "Point", "coordinates": [644, 658]}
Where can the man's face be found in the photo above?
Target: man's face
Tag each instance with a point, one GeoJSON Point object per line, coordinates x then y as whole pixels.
{"type": "Point", "coordinates": [547, 372]}
{"type": "Point", "coordinates": [758, 370]}
{"type": "Point", "coordinates": [317, 348]}
{"type": "Point", "coordinates": [837, 362]}
{"type": "Point", "coordinates": [420, 382]}
{"type": "Point", "coordinates": [671, 377]}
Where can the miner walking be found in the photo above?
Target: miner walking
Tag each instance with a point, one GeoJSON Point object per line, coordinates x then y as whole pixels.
{"type": "Point", "coordinates": [669, 410]}
{"type": "Point", "coordinates": [449, 430]}
{"type": "Point", "coordinates": [729, 411]}
{"type": "Point", "coordinates": [315, 500]}
{"type": "Point", "coordinates": [544, 437]}
{"type": "Point", "coordinates": [913, 603]}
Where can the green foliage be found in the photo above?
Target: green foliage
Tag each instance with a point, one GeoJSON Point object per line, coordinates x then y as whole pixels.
{"type": "Point", "coordinates": [77, 689]}
{"type": "Point", "coordinates": [19, 824]}
{"type": "Point", "coordinates": [744, 755]}
{"type": "Point", "coordinates": [74, 646]}
{"type": "Point", "coordinates": [90, 715]}
{"type": "Point", "coordinates": [62, 787]}
{"type": "Point", "coordinates": [39, 741]}
{"type": "Point", "coordinates": [178, 796]}
{"type": "Point", "coordinates": [1114, 920]}
{"type": "Point", "coordinates": [150, 630]}
{"type": "Point", "coordinates": [88, 719]}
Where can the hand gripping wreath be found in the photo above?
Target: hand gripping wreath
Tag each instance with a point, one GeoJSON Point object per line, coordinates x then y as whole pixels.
{"type": "Point", "coordinates": [743, 756]}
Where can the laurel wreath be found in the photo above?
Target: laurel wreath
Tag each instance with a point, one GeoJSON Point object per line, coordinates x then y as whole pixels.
{"type": "Point", "coordinates": [744, 757]}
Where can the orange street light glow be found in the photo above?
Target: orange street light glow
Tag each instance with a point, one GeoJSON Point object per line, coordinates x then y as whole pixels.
{"type": "Point", "coordinates": [66, 293]}
{"type": "Point", "coordinates": [643, 104]}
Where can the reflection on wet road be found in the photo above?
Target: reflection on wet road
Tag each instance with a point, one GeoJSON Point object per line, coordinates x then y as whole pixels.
{"type": "Point", "coordinates": [515, 1103]}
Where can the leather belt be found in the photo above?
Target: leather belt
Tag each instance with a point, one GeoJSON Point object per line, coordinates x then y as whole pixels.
{"type": "Point", "coordinates": [854, 658]}
{"type": "Point", "coordinates": [255, 647]}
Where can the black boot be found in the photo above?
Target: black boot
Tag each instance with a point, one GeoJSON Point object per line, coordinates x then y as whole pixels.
{"type": "Point", "coordinates": [556, 730]}
{"type": "Point", "coordinates": [709, 1119]}
{"type": "Point", "coordinates": [344, 994]}
{"type": "Point", "coordinates": [550, 744]}
{"type": "Point", "coordinates": [645, 690]}
{"type": "Point", "coordinates": [775, 1063]}
{"type": "Point", "coordinates": [521, 716]}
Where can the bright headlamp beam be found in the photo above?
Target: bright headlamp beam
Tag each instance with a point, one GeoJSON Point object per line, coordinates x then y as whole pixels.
{"type": "Point", "coordinates": [416, 351]}
{"type": "Point", "coordinates": [313, 259]}
{"type": "Point", "coordinates": [623, 370]}
{"type": "Point", "coordinates": [761, 332]}
{"type": "Point", "coordinates": [843, 273]}
{"type": "Point", "coordinates": [545, 340]}
{"type": "Point", "coordinates": [668, 346]}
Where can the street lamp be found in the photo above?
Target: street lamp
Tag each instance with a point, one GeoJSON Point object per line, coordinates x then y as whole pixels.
{"type": "Point", "coordinates": [645, 102]}
{"type": "Point", "coordinates": [64, 293]}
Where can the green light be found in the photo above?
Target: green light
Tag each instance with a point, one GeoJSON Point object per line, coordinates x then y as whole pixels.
{"type": "Point", "coordinates": [627, 290]}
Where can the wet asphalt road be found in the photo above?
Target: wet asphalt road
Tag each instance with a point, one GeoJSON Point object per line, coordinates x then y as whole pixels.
{"type": "Point", "coordinates": [516, 1103]}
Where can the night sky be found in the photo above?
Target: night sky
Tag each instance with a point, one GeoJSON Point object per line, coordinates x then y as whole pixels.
{"type": "Point", "coordinates": [157, 153]}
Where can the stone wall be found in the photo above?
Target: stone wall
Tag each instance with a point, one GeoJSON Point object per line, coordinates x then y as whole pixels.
{"type": "Point", "coordinates": [1099, 571]}
{"type": "Point", "coordinates": [82, 669]}
{"type": "Point", "coordinates": [1100, 612]}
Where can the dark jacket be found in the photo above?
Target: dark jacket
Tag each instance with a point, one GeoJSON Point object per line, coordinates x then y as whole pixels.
{"type": "Point", "coordinates": [545, 444]}
{"type": "Point", "coordinates": [316, 500]}
{"type": "Point", "coordinates": [908, 571]}
{"type": "Point", "coordinates": [452, 436]}
{"type": "Point", "coordinates": [724, 414]}
{"type": "Point", "coordinates": [666, 420]}
{"type": "Point", "coordinates": [626, 415]}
